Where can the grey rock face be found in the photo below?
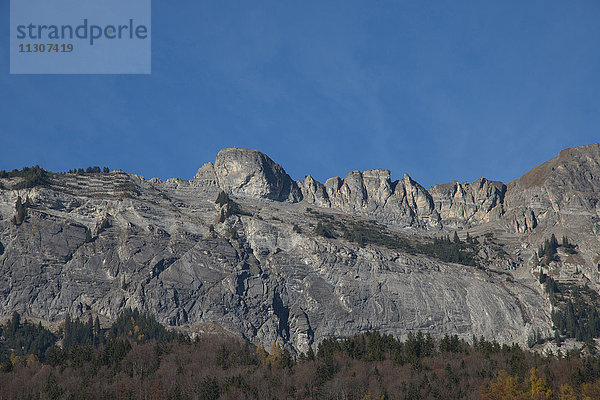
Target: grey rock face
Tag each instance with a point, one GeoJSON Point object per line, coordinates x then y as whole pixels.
{"type": "Point", "coordinates": [465, 203]}
{"type": "Point", "coordinates": [252, 173]}
{"type": "Point", "coordinates": [158, 246]}
{"type": "Point", "coordinates": [314, 192]}
{"type": "Point", "coordinates": [566, 185]}
{"type": "Point", "coordinates": [564, 191]}
{"type": "Point", "coordinates": [372, 192]}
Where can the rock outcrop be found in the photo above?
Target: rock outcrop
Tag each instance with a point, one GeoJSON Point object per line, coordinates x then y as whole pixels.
{"type": "Point", "coordinates": [564, 187]}
{"type": "Point", "coordinates": [462, 204]}
{"type": "Point", "coordinates": [563, 191]}
{"type": "Point", "coordinates": [403, 202]}
{"type": "Point", "coordinates": [251, 173]}
{"type": "Point", "coordinates": [100, 242]}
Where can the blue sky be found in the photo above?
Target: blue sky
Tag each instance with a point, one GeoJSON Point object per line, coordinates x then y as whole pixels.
{"type": "Point", "coordinates": [442, 90]}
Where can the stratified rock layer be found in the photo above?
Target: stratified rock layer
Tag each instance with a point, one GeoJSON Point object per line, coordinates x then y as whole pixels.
{"type": "Point", "coordinates": [101, 242]}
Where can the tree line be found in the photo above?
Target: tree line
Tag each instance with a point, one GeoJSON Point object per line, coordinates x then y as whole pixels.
{"type": "Point", "coordinates": [135, 357]}
{"type": "Point", "coordinates": [548, 250]}
{"type": "Point", "coordinates": [362, 233]}
{"type": "Point", "coordinates": [89, 170]}
{"type": "Point", "coordinates": [30, 177]}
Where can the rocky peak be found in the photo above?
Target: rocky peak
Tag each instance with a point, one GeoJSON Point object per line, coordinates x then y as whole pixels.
{"type": "Point", "coordinates": [560, 192]}
{"type": "Point", "coordinates": [314, 192]}
{"type": "Point", "coordinates": [372, 192]}
{"type": "Point", "coordinates": [479, 201]}
{"type": "Point", "coordinates": [574, 168]}
{"type": "Point", "coordinates": [378, 184]}
{"type": "Point", "coordinates": [246, 172]}
{"type": "Point", "coordinates": [266, 274]}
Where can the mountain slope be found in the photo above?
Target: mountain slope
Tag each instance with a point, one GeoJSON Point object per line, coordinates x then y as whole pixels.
{"type": "Point", "coordinates": [255, 265]}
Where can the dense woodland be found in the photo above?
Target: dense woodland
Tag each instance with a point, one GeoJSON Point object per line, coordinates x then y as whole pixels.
{"type": "Point", "coordinates": [137, 358]}
{"type": "Point", "coordinates": [576, 311]}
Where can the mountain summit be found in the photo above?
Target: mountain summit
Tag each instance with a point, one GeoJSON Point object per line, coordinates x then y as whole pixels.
{"type": "Point", "coordinates": [244, 248]}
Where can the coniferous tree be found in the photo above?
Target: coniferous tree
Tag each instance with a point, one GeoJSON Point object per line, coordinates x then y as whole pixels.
{"type": "Point", "coordinates": [14, 324]}
{"type": "Point", "coordinates": [88, 235]}
{"type": "Point", "coordinates": [222, 199]}
{"type": "Point", "coordinates": [53, 390]}
{"type": "Point", "coordinates": [324, 230]}
{"type": "Point", "coordinates": [540, 252]}
{"type": "Point", "coordinates": [456, 239]}
{"type": "Point", "coordinates": [286, 360]}
{"type": "Point", "coordinates": [90, 328]}
{"type": "Point", "coordinates": [19, 212]}
{"type": "Point", "coordinates": [553, 244]}
{"type": "Point", "coordinates": [67, 333]}
{"type": "Point", "coordinates": [97, 326]}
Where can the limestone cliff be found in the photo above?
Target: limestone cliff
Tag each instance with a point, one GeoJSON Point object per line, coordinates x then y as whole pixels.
{"type": "Point", "coordinates": [100, 242]}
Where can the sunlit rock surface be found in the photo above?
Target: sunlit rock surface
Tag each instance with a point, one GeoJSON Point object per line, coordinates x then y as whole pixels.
{"type": "Point", "coordinates": [101, 242]}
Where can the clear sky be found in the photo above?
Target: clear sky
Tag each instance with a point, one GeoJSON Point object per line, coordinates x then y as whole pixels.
{"type": "Point", "coordinates": [442, 90]}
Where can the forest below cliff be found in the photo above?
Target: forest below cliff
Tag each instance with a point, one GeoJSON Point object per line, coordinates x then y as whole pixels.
{"type": "Point", "coordinates": [137, 358]}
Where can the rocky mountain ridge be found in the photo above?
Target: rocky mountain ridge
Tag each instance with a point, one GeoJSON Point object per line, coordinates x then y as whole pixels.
{"type": "Point", "coordinates": [255, 265]}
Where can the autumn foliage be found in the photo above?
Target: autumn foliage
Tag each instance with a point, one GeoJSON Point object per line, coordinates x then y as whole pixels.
{"type": "Point", "coordinates": [136, 358]}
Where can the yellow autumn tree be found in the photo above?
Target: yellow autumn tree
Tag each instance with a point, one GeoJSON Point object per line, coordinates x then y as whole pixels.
{"type": "Point", "coordinates": [591, 390]}
{"type": "Point", "coordinates": [274, 353]}
{"type": "Point", "coordinates": [567, 392]}
{"type": "Point", "coordinates": [538, 387]}
{"type": "Point", "coordinates": [262, 354]}
{"type": "Point", "coordinates": [15, 360]}
{"type": "Point", "coordinates": [505, 387]}
{"type": "Point", "coordinates": [32, 360]}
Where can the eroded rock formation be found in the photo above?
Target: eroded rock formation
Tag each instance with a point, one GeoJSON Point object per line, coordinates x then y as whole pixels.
{"type": "Point", "coordinates": [100, 242]}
